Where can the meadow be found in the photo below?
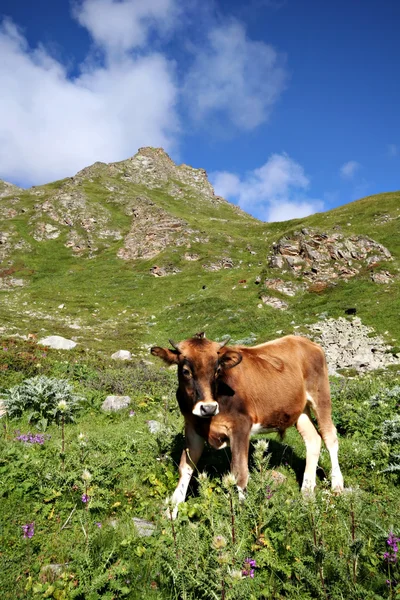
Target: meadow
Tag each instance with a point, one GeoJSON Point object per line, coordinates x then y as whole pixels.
{"type": "Point", "coordinates": [73, 478]}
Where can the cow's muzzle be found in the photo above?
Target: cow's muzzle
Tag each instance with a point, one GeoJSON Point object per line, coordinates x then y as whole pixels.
{"type": "Point", "coordinates": [206, 409]}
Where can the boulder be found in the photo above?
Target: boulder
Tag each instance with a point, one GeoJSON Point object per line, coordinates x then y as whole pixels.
{"type": "Point", "coordinates": [154, 426]}
{"type": "Point", "coordinates": [143, 528]}
{"type": "Point", "coordinates": [57, 342]}
{"type": "Point", "coordinates": [115, 403]}
{"type": "Point", "coordinates": [122, 355]}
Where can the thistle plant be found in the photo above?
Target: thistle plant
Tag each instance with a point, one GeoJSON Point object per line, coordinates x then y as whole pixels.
{"type": "Point", "coordinates": [62, 408]}
{"type": "Point", "coordinates": [40, 398]}
{"type": "Point", "coordinates": [229, 482]}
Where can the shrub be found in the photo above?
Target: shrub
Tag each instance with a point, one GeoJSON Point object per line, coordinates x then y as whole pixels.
{"type": "Point", "coordinates": [45, 399]}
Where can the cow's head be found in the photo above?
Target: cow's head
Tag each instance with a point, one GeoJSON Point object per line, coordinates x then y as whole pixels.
{"type": "Point", "coordinates": [200, 363]}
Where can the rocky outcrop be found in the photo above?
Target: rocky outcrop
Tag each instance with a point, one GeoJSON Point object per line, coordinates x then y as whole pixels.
{"type": "Point", "coordinates": [317, 256]}
{"type": "Point", "coordinates": [274, 302]}
{"type": "Point", "coordinates": [8, 189]}
{"type": "Point", "coordinates": [153, 230]}
{"type": "Point", "coordinates": [288, 288]}
{"type": "Point", "coordinates": [350, 344]}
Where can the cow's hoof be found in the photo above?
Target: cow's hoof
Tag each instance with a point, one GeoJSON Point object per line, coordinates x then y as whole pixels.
{"type": "Point", "coordinates": [337, 485]}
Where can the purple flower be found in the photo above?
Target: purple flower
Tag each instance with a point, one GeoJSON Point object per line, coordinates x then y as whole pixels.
{"type": "Point", "coordinates": [251, 562]}
{"type": "Point", "coordinates": [249, 566]}
{"type": "Point", "coordinates": [392, 542]}
{"type": "Point", "coordinates": [28, 529]}
{"type": "Point", "coordinates": [85, 498]}
{"type": "Point", "coordinates": [269, 492]}
{"type": "Point", "coordinates": [5, 349]}
{"type": "Point", "coordinates": [99, 525]}
{"type": "Point", "coordinates": [32, 438]}
{"type": "Point", "coordinates": [132, 413]}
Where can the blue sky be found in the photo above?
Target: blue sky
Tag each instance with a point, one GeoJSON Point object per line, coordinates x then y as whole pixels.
{"type": "Point", "coordinates": [292, 106]}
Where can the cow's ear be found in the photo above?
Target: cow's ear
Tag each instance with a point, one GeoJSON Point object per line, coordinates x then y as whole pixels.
{"type": "Point", "coordinates": [168, 356]}
{"type": "Point", "coordinates": [229, 358]}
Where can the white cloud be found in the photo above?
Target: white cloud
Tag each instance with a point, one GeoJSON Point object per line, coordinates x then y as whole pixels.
{"type": "Point", "coordinates": [52, 126]}
{"type": "Point", "coordinates": [120, 26]}
{"type": "Point", "coordinates": [393, 150]}
{"type": "Point", "coordinates": [349, 169]}
{"type": "Point", "coordinates": [274, 192]}
{"type": "Point", "coordinates": [52, 123]}
{"type": "Point", "coordinates": [234, 75]}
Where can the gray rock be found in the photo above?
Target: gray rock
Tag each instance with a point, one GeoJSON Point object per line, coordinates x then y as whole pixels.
{"type": "Point", "coordinates": [348, 344]}
{"type": "Point", "coordinates": [57, 342]}
{"type": "Point", "coordinates": [144, 528]}
{"type": "Point", "coordinates": [114, 403]}
{"type": "Point", "coordinates": [154, 426]}
{"type": "Point", "coordinates": [122, 355]}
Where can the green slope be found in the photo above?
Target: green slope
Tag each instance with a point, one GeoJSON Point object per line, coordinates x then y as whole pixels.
{"type": "Point", "coordinates": [112, 303]}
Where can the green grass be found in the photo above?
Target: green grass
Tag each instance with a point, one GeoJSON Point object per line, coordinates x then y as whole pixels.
{"type": "Point", "coordinates": [114, 300]}
{"type": "Point", "coordinates": [329, 547]}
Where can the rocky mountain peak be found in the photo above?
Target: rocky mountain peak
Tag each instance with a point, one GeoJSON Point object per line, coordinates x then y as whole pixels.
{"type": "Point", "coordinates": [8, 189]}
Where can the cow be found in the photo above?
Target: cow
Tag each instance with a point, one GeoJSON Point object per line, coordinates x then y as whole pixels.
{"type": "Point", "coordinates": [227, 393]}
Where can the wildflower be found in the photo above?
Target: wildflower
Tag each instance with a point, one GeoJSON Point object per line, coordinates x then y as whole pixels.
{"type": "Point", "coordinates": [29, 529]}
{"type": "Point", "coordinates": [132, 413]}
{"type": "Point", "coordinates": [85, 498]}
{"type": "Point", "coordinates": [219, 542]}
{"type": "Point", "coordinates": [269, 492]}
{"type": "Point", "coordinates": [86, 475]}
{"type": "Point", "coordinates": [99, 525]}
{"type": "Point", "coordinates": [62, 406]}
{"type": "Point", "coordinates": [262, 446]}
{"type": "Point", "coordinates": [392, 542]}
{"type": "Point", "coordinates": [5, 349]}
{"type": "Point", "coordinates": [81, 437]}
{"type": "Point", "coordinates": [235, 574]}
{"type": "Point", "coordinates": [203, 477]}
{"type": "Point", "coordinates": [249, 566]}
{"type": "Point", "coordinates": [229, 481]}
{"type": "Point", "coordinates": [32, 438]}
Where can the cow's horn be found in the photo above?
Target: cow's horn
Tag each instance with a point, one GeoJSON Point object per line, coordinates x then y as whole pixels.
{"type": "Point", "coordinates": [224, 342]}
{"type": "Point", "coordinates": [201, 335]}
{"type": "Point", "coordinates": [176, 346]}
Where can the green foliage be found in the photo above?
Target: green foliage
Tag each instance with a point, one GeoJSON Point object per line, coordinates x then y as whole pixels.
{"type": "Point", "coordinates": [43, 399]}
{"type": "Point", "coordinates": [86, 545]}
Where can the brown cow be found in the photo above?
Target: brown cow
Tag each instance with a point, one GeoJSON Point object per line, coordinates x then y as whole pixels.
{"type": "Point", "coordinates": [228, 393]}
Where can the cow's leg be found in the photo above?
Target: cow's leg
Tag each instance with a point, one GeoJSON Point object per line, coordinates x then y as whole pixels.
{"type": "Point", "coordinates": [312, 440]}
{"type": "Point", "coordinates": [323, 413]}
{"type": "Point", "coordinates": [189, 459]}
{"type": "Point", "coordinates": [239, 443]}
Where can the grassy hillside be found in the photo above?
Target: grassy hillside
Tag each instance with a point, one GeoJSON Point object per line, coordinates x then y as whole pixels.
{"type": "Point", "coordinates": [77, 258]}
{"type": "Point", "coordinates": [110, 302]}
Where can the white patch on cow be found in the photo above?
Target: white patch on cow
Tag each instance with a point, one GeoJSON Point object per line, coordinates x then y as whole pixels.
{"type": "Point", "coordinates": [258, 428]}
{"type": "Point", "coordinates": [312, 440]}
{"type": "Point", "coordinates": [337, 477]}
{"type": "Point", "coordinates": [310, 400]}
{"type": "Point", "coordinates": [179, 494]}
{"type": "Point", "coordinates": [197, 410]}
{"type": "Point", "coordinates": [223, 445]}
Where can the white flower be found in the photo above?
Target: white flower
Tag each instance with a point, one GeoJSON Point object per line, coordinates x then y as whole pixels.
{"type": "Point", "coordinates": [62, 405]}
{"type": "Point", "coordinates": [86, 475]}
{"type": "Point", "coordinates": [229, 481]}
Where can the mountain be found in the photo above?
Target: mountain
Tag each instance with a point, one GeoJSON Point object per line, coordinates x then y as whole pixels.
{"type": "Point", "coordinates": [128, 254]}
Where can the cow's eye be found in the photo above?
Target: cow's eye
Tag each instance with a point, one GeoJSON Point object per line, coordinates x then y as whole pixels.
{"type": "Point", "coordinates": [186, 372]}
